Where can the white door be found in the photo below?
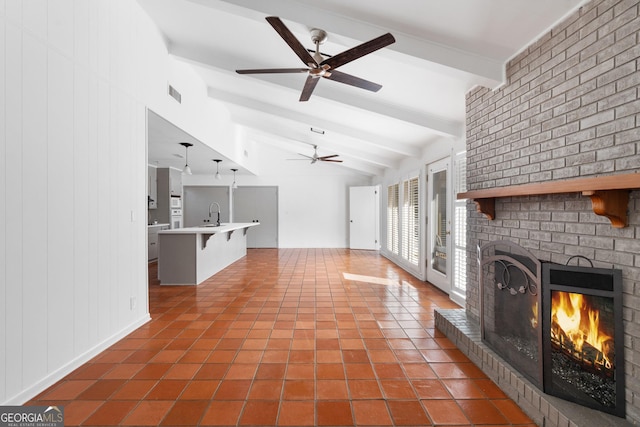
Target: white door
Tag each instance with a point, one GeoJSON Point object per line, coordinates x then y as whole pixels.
{"type": "Point", "coordinates": [439, 225]}
{"type": "Point", "coordinates": [258, 204]}
{"type": "Point", "coordinates": [363, 217]}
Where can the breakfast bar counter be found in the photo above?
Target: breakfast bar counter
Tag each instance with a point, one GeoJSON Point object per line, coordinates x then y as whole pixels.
{"type": "Point", "coordinates": [189, 256]}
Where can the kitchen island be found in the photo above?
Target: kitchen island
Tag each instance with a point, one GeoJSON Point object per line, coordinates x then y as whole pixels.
{"type": "Point", "coordinates": [189, 256]}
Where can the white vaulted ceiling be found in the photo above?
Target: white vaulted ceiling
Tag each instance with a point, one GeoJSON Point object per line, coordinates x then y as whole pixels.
{"type": "Point", "coordinates": [443, 48]}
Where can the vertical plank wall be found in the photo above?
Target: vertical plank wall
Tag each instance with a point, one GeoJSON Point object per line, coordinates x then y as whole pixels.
{"type": "Point", "coordinates": [72, 182]}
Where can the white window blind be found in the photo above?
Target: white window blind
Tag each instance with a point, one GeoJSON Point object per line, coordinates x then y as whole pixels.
{"type": "Point", "coordinates": [392, 218]}
{"type": "Point", "coordinates": [460, 226]}
{"type": "Point", "coordinates": [411, 221]}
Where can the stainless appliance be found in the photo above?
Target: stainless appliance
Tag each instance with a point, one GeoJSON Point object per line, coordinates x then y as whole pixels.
{"type": "Point", "coordinates": [176, 218]}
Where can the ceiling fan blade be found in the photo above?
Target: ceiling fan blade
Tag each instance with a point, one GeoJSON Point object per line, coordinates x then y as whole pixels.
{"type": "Point", "coordinates": [359, 51]}
{"type": "Point", "coordinates": [309, 86]}
{"type": "Point", "coordinates": [329, 160]}
{"type": "Point", "coordinates": [292, 41]}
{"type": "Point", "coordinates": [328, 157]}
{"type": "Point", "coordinates": [348, 79]}
{"type": "Point", "coordinates": [273, 70]}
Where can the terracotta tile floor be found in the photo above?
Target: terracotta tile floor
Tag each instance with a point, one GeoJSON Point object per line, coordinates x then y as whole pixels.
{"type": "Point", "coordinates": [282, 338]}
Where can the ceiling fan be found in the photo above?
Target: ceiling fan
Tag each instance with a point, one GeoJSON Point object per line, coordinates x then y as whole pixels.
{"type": "Point", "coordinates": [317, 65]}
{"type": "Point", "coordinates": [317, 158]}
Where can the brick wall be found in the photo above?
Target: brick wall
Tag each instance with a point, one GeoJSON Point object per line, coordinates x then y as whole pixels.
{"type": "Point", "coordinates": [570, 108]}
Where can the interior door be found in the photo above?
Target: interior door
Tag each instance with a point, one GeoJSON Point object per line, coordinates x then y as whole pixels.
{"type": "Point", "coordinates": [363, 217]}
{"type": "Point", "coordinates": [251, 204]}
{"type": "Point", "coordinates": [199, 201]}
{"type": "Point", "coordinates": [439, 225]}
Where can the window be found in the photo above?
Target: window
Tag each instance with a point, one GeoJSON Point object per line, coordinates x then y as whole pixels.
{"type": "Point", "coordinates": [411, 221]}
{"type": "Point", "coordinates": [392, 218]}
{"type": "Point", "coordinates": [460, 224]}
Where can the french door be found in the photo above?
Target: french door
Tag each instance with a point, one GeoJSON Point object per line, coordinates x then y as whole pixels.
{"type": "Point", "coordinates": [439, 224]}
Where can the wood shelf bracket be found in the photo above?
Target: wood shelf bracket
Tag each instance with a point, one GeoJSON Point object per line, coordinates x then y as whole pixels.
{"type": "Point", "coordinates": [611, 204]}
{"type": "Point", "coordinates": [486, 207]}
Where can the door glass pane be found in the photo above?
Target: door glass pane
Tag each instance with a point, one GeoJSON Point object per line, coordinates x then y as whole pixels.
{"type": "Point", "coordinates": [439, 214]}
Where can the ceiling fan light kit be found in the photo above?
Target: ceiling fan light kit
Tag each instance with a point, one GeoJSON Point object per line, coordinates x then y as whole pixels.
{"type": "Point", "coordinates": [319, 66]}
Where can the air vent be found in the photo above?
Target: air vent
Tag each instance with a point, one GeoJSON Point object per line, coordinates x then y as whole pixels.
{"type": "Point", "coordinates": [175, 94]}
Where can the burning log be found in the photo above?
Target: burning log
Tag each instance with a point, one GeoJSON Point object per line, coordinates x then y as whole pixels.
{"type": "Point", "coordinates": [583, 353]}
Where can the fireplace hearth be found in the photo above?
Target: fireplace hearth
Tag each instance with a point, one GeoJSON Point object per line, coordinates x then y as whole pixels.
{"type": "Point", "coordinates": [559, 326]}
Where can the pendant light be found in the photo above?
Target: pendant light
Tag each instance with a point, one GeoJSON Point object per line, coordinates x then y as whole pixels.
{"type": "Point", "coordinates": [187, 169]}
{"type": "Point", "coordinates": [218, 176]}
{"type": "Point", "coordinates": [234, 185]}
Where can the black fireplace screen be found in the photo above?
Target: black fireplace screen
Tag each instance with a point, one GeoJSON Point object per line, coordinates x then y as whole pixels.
{"type": "Point", "coordinates": [511, 301]}
{"type": "Point", "coordinates": [582, 336]}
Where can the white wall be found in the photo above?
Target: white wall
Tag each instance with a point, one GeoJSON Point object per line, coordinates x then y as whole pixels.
{"type": "Point", "coordinates": [313, 199]}
{"type": "Point", "coordinates": [75, 79]}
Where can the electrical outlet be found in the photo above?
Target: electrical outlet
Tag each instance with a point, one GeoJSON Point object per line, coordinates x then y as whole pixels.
{"type": "Point", "coordinates": [133, 302]}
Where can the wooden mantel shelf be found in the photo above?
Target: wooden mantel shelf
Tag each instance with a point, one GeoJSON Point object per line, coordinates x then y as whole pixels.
{"type": "Point", "coordinates": [609, 194]}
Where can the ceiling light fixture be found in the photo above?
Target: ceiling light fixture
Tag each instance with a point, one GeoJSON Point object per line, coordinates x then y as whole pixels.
{"type": "Point", "coordinates": [316, 130]}
{"type": "Point", "coordinates": [218, 176]}
{"type": "Point", "coordinates": [234, 185]}
{"type": "Point", "coordinates": [187, 169]}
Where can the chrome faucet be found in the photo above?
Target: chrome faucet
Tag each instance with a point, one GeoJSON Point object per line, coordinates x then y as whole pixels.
{"type": "Point", "coordinates": [210, 212]}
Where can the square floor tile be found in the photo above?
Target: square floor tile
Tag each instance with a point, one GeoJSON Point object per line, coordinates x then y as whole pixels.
{"type": "Point", "coordinates": [299, 390]}
{"type": "Point", "coordinates": [222, 413]}
{"type": "Point", "coordinates": [185, 413]}
{"type": "Point", "coordinates": [336, 413]}
{"type": "Point", "coordinates": [293, 413]}
{"type": "Point", "coordinates": [364, 389]}
{"type": "Point", "coordinates": [445, 412]}
{"type": "Point", "coordinates": [371, 412]}
{"type": "Point", "coordinates": [408, 413]}
{"type": "Point", "coordinates": [266, 390]}
{"type": "Point", "coordinates": [260, 413]}
{"type": "Point", "coordinates": [110, 413]}
{"type": "Point", "coordinates": [147, 413]}
{"type": "Point", "coordinates": [199, 390]}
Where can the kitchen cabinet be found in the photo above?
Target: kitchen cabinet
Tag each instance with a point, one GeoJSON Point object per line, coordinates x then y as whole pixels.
{"type": "Point", "coordinates": [152, 187]}
{"type": "Point", "coordinates": [169, 185]}
{"type": "Point", "coordinates": [175, 182]}
{"type": "Point", "coordinates": [152, 239]}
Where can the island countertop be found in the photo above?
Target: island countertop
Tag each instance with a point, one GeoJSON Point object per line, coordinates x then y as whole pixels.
{"type": "Point", "coordinates": [191, 255]}
{"type": "Point", "coordinates": [210, 229]}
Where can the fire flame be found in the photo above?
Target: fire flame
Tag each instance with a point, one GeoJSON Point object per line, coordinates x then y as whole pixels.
{"type": "Point", "coordinates": [580, 323]}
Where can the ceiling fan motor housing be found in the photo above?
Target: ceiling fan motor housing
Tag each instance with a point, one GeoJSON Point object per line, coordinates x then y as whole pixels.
{"type": "Point", "coordinates": [318, 36]}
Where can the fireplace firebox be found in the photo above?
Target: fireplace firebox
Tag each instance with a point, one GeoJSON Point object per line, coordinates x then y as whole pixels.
{"type": "Point", "coordinates": [560, 326]}
{"type": "Point", "coordinates": [582, 336]}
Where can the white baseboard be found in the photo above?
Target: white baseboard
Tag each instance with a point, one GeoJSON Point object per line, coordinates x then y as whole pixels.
{"type": "Point", "coordinates": [46, 382]}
